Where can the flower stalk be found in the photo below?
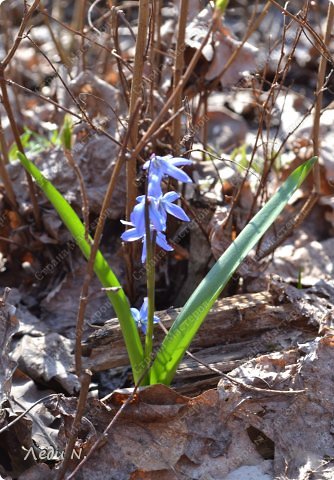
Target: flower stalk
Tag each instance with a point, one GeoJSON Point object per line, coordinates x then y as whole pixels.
{"type": "Point", "coordinates": [150, 280]}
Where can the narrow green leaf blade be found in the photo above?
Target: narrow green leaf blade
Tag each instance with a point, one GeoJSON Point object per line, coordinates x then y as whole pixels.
{"type": "Point", "coordinates": [199, 304]}
{"type": "Point", "coordinates": [106, 276]}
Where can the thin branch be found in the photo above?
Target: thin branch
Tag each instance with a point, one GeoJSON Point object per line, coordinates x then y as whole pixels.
{"type": "Point", "coordinates": [155, 124]}
{"type": "Point", "coordinates": [105, 433]}
{"type": "Point", "coordinates": [6, 427]}
{"type": "Point", "coordinates": [319, 95]}
{"type": "Point", "coordinates": [178, 69]}
{"type": "Point", "coordinates": [135, 94]}
{"type": "Point", "coordinates": [7, 105]}
{"type": "Point", "coordinates": [19, 36]}
{"type": "Point", "coordinates": [96, 242]}
{"type": "Point", "coordinates": [85, 382]}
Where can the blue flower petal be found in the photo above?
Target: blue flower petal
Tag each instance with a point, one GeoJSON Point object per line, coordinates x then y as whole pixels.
{"type": "Point", "coordinates": [176, 211]}
{"type": "Point", "coordinates": [162, 242]}
{"type": "Point", "coordinates": [154, 185]}
{"type": "Point", "coordinates": [131, 235]}
{"type": "Point", "coordinates": [127, 223]}
{"type": "Point", "coordinates": [176, 173]}
{"type": "Point", "coordinates": [178, 161]}
{"type": "Point", "coordinates": [140, 316]}
{"type": "Point", "coordinates": [170, 196]}
{"type": "Point", "coordinates": [137, 217]}
{"type": "Point", "coordinates": [146, 164]}
{"type": "Point", "coordinates": [156, 218]}
{"type": "Point", "coordinates": [143, 252]}
{"type": "Point", "coordinates": [144, 309]}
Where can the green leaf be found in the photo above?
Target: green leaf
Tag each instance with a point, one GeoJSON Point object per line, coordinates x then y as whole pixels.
{"type": "Point", "coordinates": [106, 276]}
{"type": "Point", "coordinates": [199, 304]}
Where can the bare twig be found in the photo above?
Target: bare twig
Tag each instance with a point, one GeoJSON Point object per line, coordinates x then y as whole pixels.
{"type": "Point", "coordinates": [96, 242]}
{"type": "Point", "coordinates": [319, 95]}
{"type": "Point", "coordinates": [3, 172]}
{"type": "Point", "coordinates": [7, 105]}
{"type": "Point", "coordinates": [97, 129]}
{"type": "Point", "coordinates": [89, 16]}
{"type": "Point", "coordinates": [136, 89]}
{"type": "Point", "coordinates": [99, 442]}
{"type": "Point", "coordinates": [155, 124]}
{"type": "Point", "coordinates": [178, 69]}
{"type": "Point", "coordinates": [3, 429]}
{"type": "Point", "coordinates": [232, 379]}
{"type": "Point", "coordinates": [85, 382]}
{"type": "Point", "coordinates": [241, 384]}
{"type": "Point", "coordinates": [251, 29]}
{"type": "Point", "coordinates": [303, 23]}
{"type": "Point", "coordinates": [58, 45]}
{"type": "Point", "coordinates": [19, 36]}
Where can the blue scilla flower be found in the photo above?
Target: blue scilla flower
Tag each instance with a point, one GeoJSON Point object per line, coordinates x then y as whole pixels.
{"type": "Point", "coordinates": [137, 216]}
{"type": "Point", "coordinates": [163, 205]}
{"type": "Point", "coordinates": [161, 166]}
{"type": "Point", "coordinates": [137, 221]}
{"type": "Point", "coordinates": [140, 316]}
{"type": "Point", "coordinates": [134, 234]}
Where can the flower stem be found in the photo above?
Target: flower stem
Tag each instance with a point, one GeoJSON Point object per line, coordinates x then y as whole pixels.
{"type": "Point", "coordinates": [150, 275]}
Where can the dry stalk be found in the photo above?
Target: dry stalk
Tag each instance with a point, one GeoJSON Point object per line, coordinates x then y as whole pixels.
{"type": "Point", "coordinates": [7, 105]}
{"type": "Point", "coordinates": [318, 40]}
{"type": "Point", "coordinates": [178, 69]}
{"type": "Point", "coordinates": [312, 199]}
{"type": "Point", "coordinates": [7, 183]}
{"type": "Point", "coordinates": [102, 439]}
{"type": "Point", "coordinates": [185, 77]}
{"type": "Point", "coordinates": [252, 27]}
{"type": "Point", "coordinates": [266, 115]}
{"type": "Point", "coordinates": [250, 30]}
{"type": "Point", "coordinates": [111, 52]}
{"type": "Point", "coordinates": [114, 26]}
{"type": "Point", "coordinates": [85, 382]}
{"type": "Point", "coordinates": [95, 246]}
{"type": "Point", "coordinates": [319, 95]}
{"type": "Point", "coordinates": [135, 95]}
{"type": "Point", "coordinates": [62, 55]}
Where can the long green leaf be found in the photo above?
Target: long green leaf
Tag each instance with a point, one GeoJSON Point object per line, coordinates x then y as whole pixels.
{"type": "Point", "coordinates": [106, 276]}
{"type": "Point", "coordinates": [199, 304]}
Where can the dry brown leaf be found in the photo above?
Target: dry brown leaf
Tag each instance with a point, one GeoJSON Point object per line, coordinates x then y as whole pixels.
{"type": "Point", "coordinates": [219, 49]}
{"type": "Point", "coordinates": [47, 358]}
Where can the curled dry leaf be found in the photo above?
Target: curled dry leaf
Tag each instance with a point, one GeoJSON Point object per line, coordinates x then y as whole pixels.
{"type": "Point", "coordinates": [47, 358]}
{"type": "Point", "coordinates": [219, 49]}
